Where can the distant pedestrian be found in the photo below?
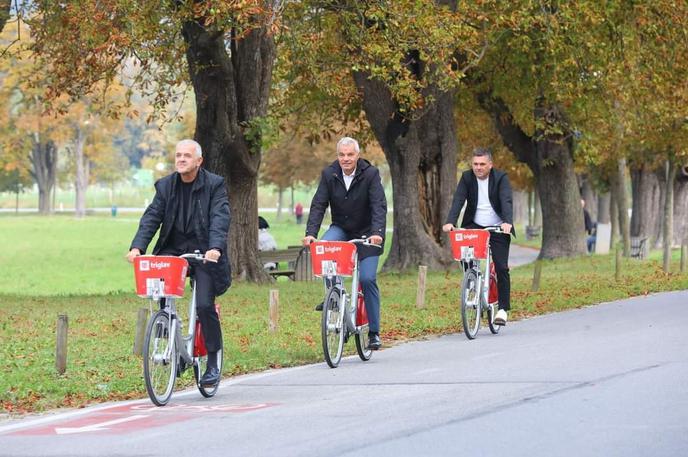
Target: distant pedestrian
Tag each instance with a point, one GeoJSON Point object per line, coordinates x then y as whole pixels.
{"type": "Point", "coordinates": [590, 229]}
{"type": "Point", "coordinates": [298, 212]}
{"type": "Point", "coordinates": [266, 242]}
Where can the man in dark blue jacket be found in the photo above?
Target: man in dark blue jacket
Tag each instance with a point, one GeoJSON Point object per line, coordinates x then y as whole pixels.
{"type": "Point", "coordinates": [192, 211]}
{"type": "Point", "coordinates": [489, 197]}
{"type": "Point", "coordinates": [353, 190]}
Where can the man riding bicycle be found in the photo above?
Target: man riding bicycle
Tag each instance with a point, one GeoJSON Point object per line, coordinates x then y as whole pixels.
{"type": "Point", "coordinates": [191, 209]}
{"type": "Point", "coordinates": [353, 190]}
{"type": "Point", "coordinates": [489, 197]}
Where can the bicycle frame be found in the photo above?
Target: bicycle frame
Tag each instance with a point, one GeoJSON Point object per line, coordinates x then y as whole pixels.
{"type": "Point", "coordinates": [184, 343]}
{"type": "Point", "coordinates": [349, 308]}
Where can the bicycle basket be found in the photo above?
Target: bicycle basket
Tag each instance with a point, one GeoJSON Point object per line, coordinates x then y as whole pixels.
{"type": "Point", "coordinates": [471, 243]}
{"type": "Point", "coordinates": [160, 276]}
{"type": "Point", "coordinates": [332, 258]}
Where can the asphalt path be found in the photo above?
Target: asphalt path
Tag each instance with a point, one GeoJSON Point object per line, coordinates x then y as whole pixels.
{"type": "Point", "coordinates": [604, 380]}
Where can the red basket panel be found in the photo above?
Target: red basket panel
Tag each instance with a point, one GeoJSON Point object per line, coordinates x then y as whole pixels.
{"type": "Point", "coordinates": [160, 276]}
{"type": "Point", "coordinates": [342, 253]}
{"type": "Point", "coordinates": [475, 238]}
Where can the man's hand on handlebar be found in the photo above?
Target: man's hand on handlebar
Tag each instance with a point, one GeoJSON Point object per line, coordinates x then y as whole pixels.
{"type": "Point", "coordinates": [212, 255]}
{"type": "Point", "coordinates": [448, 227]}
{"type": "Point", "coordinates": [506, 227]}
{"type": "Point", "coordinates": [375, 239]}
{"type": "Point", "coordinates": [308, 240]}
{"type": "Point", "coordinates": [135, 252]}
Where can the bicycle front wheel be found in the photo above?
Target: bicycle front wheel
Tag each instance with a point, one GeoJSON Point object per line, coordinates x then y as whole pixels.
{"type": "Point", "coordinates": [470, 304]}
{"type": "Point", "coordinates": [362, 340]}
{"type": "Point", "coordinates": [160, 359]}
{"type": "Point", "coordinates": [332, 327]}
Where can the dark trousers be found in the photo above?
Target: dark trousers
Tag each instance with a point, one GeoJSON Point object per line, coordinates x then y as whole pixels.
{"type": "Point", "coordinates": [205, 303]}
{"type": "Point", "coordinates": [205, 309]}
{"type": "Point", "coordinates": [499, 245]}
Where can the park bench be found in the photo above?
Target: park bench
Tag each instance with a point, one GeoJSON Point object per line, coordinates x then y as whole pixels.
{"type": "Point", "coordinates": [639, 247]}
{"type": "Point", "coordinates": [532, 231]}
{"type": "Point", "coordinates": [293, 262]}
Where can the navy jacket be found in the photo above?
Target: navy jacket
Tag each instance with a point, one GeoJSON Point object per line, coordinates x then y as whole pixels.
{"type": "Point", "coordinates": [210, 217]}
{"type": "Point", "coordinates": [360, 211]}
{"type": "Point", "coordinates": [499, 192]}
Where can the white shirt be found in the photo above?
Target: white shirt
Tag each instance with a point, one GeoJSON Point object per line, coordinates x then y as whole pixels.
{"type": "Point", "coordinates": [348, 178]}
{"type": "Point", "coordinates": [485, 215]}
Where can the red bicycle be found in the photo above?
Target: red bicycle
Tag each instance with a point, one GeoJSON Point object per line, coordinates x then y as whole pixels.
{"type": "Point", "coordinates": [479, 286]}
{"type": "Point", "coordinates": [334, 260]}
{"type": "Point", "coordinates": [167, 352]}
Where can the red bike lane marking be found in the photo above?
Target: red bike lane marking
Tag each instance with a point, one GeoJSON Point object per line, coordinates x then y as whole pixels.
{"type": "Point", "coordinates": [129, 418]}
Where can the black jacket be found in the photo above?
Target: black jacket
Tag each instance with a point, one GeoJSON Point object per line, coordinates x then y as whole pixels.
{"type": "Point", "coordinates": [210, 217]}
{"type": "Point", "coordinates": [499, 192]}
{"type": "Point", "coordinates": [360, 211]}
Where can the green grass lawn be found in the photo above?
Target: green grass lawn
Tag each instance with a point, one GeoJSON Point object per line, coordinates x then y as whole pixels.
{"type": "Point", "coordinates": [59, 265]}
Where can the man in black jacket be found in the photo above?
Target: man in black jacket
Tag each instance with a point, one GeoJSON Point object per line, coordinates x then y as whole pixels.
{"type": "Point", "coordinates": [352, 188]}
{"type": "Point", "coordinates": [489, 197]}
{"type": "Point", "coordinates": [192, 207]}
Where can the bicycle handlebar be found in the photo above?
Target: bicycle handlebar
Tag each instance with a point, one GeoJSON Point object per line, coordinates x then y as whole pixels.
{"type": "Point", "coordinates": [498, 229]}
{"type": "Point", "coordinates": [365, 242]}
{"type": "Point", "coordinates": [197, 256]}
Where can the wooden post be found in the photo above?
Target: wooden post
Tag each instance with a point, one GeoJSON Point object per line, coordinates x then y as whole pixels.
{"type": "Point", "coordinates": [537, 273]}
{"type": "Point", "coordinates": [141, 321]}
{"type": "Point", "coordinates": [617, 273]}
{"type": "Point", "coordinates": [61, 344]}
{"type": "Point", "coordinates": [684, 257]}
{"type": "Point", "coordinates": [274, 309]}
{"type": "Point", "coordinates": [420, 294]}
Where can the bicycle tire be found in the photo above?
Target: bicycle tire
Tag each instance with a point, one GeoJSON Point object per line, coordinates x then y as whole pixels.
{"type": "Point", "coordinates": [490, 318]}
{"type": "Point", "coordinates": [332, 328]}
{"type": "Point", "coordinates": [364, 352]}
{"type": "Point", "coordinates": [470, 304]}
{"type": "Point", "coordinates": [160, 358]}
{"type": "Point", "coordinates": [200, 367]}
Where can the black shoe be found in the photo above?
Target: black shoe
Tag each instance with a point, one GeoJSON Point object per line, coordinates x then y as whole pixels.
{"type": "Point", "coordinates": [319, 306]}
{"type": "Point", "coordinates": [374, 342]}
{"type": "Point", "coordinates": [211, 377]}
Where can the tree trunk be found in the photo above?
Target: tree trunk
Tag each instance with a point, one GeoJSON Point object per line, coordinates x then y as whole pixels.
{"type": "Point", "coordinates": [562, 217]}
{"type": "Point", "coordinates": [614, 219]}
{"type": "Point", "coordinates": [621, 199]}
{"type": "Point", "coordinates": [681, 206]}
{"type": "Point", "coordinates": [280, 195]}
{"type": "Point", "coordinates": [422, 159]}
{"type": "Point", "coordinates": [670, 168]}
{"type": "Point", "coordinates": [81, 178]}
{"type": "Point", "coordinates": [43, 170]}
{"type": "Point", "coordinates": [231, 80]}
{"type": "Point", "coordinates": [4, 12]}
{"type": "Point", "coordinates": [603, 208]}
{"type": "Point", "coordinates": [646, 196]}
{"type": "Point", "coordinates": [658, 225]}
{"type": "Point", "coordinates": [550, 158]}
{"type": "Point", "coordinates": [537, 210]}
{"type": "Point", "coordinates": [521, 207]}
{"type": "Point", "coordinates": [293, 203]}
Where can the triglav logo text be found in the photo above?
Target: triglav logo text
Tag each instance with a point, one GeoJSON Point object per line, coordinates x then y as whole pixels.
{"type": "Point", "coordinates": [467, 236]}
{"type": "Point", "coordinates": [147, 265]}
{"type": "Point", "coordinates": [320, 249]}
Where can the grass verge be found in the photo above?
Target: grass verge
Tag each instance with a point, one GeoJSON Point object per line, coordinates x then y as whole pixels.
{"type": "Point", "coordinates": [101, 327]}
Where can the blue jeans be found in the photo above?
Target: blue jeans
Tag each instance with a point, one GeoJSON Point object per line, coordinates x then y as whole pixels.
{"type": "Point", "coordinates": [367, 275]}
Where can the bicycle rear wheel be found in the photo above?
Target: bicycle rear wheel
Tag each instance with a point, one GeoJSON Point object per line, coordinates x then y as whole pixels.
{"type": "Point", "coordinates": [470, 304]}
{"type": "Point", "coordinates": [332, 327]}
{"type": "Point", "coordinates": [159, 359]}
{"type": "Point", "coordinates": [364, 352]}
{"type": "Point", "coordinates": [200, 367]}
{"type": "Point", "coordinates": [491, 311]}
